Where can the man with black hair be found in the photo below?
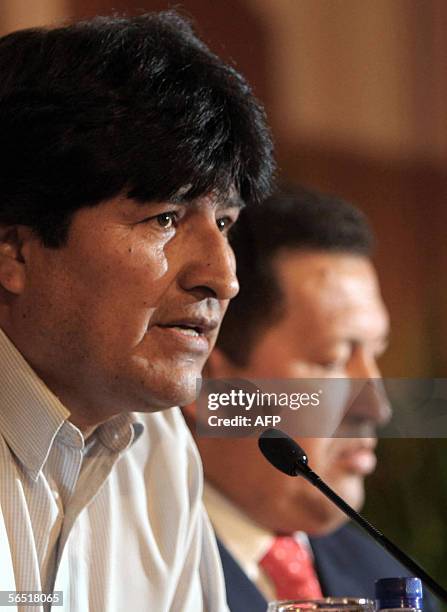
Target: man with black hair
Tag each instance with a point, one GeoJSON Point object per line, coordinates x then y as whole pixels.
{"type": "Point", "coordinates": [128, 149]}
{"type": "Point", "coordinates": [309, 306]}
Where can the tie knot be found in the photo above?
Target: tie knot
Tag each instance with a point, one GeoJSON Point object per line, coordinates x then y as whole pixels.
{"type": "Point", "coordinates": [289, 565]}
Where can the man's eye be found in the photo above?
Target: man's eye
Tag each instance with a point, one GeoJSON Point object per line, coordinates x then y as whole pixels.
{"type": "Point", "coordinates": [332, 366]}
{"type": "Point", "coordinates": [224, 224]}
{"type": "Point", "coordinates": [167, 220]}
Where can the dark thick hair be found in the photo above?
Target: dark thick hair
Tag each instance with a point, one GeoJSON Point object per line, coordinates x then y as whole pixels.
{"type": "Point", "coordinates": [294, 218]}
{"type": "Point", "coordinates": [137, 105]}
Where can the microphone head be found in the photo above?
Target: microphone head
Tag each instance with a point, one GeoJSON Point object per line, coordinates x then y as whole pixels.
{"type": "Point", "coordinates": [283, 452]}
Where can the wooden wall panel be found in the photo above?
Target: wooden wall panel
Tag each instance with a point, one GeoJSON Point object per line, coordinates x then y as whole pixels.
{"type": "Point", "coordinates": [16, 14]}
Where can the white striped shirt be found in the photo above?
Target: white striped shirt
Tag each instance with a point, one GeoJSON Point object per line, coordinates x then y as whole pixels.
{"type": "Point", "coordinates": [115, 522]}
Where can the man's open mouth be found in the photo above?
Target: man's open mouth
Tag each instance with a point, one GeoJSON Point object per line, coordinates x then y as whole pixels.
{"type": "Point", "coordinates": [191, 326]}
{"type": "Point", "coordinates": [185, 329]}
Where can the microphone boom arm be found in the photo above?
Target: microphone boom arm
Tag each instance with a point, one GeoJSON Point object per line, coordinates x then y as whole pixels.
{"type": "Point", "coordinates": [407, 561]}
{"type": "Point", "coordinates": [288, 457]}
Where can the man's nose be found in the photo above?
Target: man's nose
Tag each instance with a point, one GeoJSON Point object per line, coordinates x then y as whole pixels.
{"type": "Point", "coordinates": [211, 267]}
{"type": "Point", "coordinates": [370, 403]}
{"type": "Point", "coordinates": [363, 364]}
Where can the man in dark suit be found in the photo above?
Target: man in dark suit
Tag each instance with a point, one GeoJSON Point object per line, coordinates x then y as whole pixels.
{"type": "Point", "coordinates": [309, 307]}
{"type": "Point", "coordinates": [346, 562]}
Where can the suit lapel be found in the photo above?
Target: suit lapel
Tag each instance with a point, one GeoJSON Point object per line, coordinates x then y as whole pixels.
{"type": "Point", "coordinates": [242, 594]}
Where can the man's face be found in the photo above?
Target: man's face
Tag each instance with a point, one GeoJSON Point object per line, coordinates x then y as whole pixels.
{"type": "Point", "coordinates": [334, 325]}
{"type": "Point", "coordinates": [124, 315]}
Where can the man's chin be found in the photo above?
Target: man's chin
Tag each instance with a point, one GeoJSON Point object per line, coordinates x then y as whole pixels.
{"type": "Point", "coordinates": [180, 392]}
{"type": "Point", "coordinates": [326, 519]}
{"type": "Point", "coordinates": [353, 492]}
{"type": "Point", "coordinates": [326, 516]}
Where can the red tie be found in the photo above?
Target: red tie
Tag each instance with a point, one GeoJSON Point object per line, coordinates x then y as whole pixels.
{"type": "Point", "coordinates": [289, 565]}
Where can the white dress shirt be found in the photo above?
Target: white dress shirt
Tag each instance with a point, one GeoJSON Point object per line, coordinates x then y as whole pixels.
{"type": "Point", "coordinates": [246, 540]}
{"type": "Point", "coordinates": [116, 521]}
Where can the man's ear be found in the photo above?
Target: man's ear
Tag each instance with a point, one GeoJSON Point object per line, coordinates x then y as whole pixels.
{"type": "Point", "coordinates": [13, 241]}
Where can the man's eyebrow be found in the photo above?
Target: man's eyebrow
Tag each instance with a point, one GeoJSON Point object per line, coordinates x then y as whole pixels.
{"type": "Point", "coordinates": [382, 341]}
{"type": "Point", "coordinates": [234, 200]}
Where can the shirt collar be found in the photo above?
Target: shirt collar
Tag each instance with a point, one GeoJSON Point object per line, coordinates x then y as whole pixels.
{"type": "Point", "coordinates": [246, 540]}
{"type": "Point", "coordinates": [31, 416]}
{"type": "Point", "coordinates": [121, 431]}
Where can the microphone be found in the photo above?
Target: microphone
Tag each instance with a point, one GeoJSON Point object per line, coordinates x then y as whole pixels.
{"type": "Point", "coordinates": [288, 457]}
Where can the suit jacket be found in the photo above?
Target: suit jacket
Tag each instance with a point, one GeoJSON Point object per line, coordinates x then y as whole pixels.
{"type": "Point", "coordinates": [347, 563]}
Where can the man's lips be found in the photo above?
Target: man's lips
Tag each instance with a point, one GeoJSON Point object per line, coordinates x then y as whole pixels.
{"type": "Point", "coordinates": [200, 325]}
{"type": "Point", "coordinates": [358, 459]}
{"type": "Point", "coordinates": [191, 333]}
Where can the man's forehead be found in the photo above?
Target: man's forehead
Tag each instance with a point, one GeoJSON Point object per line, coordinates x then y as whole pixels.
{"type": "Point", "coordinates": [342, 288]}
{"type": "Point", "coordinates": [334, 272]}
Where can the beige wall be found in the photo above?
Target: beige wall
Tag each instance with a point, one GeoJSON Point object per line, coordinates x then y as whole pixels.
{"type": "Point", "coordinates": [366, 76]}
{"type": "Point", "coordinates": [15, 14]}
